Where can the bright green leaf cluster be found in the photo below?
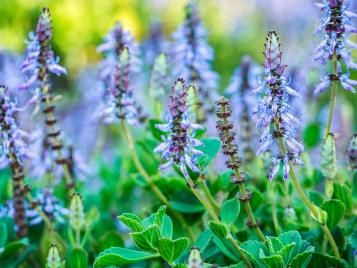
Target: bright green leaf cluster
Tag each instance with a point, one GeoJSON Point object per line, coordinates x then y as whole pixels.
{"type": "Point", "coordinates": [152, 235]}
{"type": "Point", "coordinates": [286, 250]}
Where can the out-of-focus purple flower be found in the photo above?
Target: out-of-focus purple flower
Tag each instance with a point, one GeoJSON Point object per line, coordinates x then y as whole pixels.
{"type": "Point", "coordinates": [159, 82]}
{"type": "Point", "coordinates": [114, 43]}
{"type": "Point", "coordinates": [50, 205]}
{"type": "Point", "coordinates": [192, 57]}
{"type": "Point", "coordinates": [335, 28]}
{"type": "Point", "coordinates": [242, 82]}
{"type": "Point", "coordinates": [178, 148]}
{"type": "Point", "coordinates": [155, 43]}
{"type": "Point", "coordinates": [10, 74]}
{"type": "Point", "coordinates": [122, 105]}
{"type": "Point", "coordinates": [12, 152]}
{"type": "Point", "coordinates": [274, 111]}
{"type": "Point", "coordinates": [12, 146]}
{"type": "Point", "coordinates": [45, 200]}
{"type": "Point", "coordinates": [40, 60]}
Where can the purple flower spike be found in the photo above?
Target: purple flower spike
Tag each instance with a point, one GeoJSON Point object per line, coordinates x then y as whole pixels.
{"type": "Point", "coordinates": [273, 116]}
{"type": "Point", "coordinates": [335, 28]}
{"type": "Point", "coordinates": [192, 57]}
{"type": "Point", "coordinates": [243, 81]}
{"type": "Point", "coordinates": [122, 105]}
{"type": "Point", "coordinates": [12, 152]}
{"type": "Point", "coordinates": [114, 43]}
{"type": "Point", "coordinates": [40, 59]}
{"type": "Point", "coordinates": [178, 148]}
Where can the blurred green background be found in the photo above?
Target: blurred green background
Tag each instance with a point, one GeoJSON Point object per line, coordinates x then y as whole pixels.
{"type": "Point", "coordinates": [235, 27]}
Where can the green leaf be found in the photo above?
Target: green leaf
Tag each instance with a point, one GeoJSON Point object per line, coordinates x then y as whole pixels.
{"type": "Point", "coordinates": [3, 233]}
{"type": "Point", "coordinates": [120, 256]}
{"type": "Point", "coordinates": [77, 258]}
{"type": "Point", "coordinates": [319, 260]}
{"type": "Point", "coordinates": [301, 260]}
{"type": "Point", "coordinates": [255, 250]}
{"type": "Point", "coordinates": [157, 133]}
{"type": "Point", "coordinates": [288, 252]}
{"type": "Point", "coordinates": [218, 229]}
{"type": "Point", "coordinates": [274, 244]}
{"type": "Point", "coordinates": [204, 239]}
{"type": "Point", "coordinates": [352, 240]}
{"type": "Point", "coordinates": [335, 211]}
{"type": "Point", "coordinates": [167, 228]}
{"type": "Point", "coordinates": [148, 238]}
{"type": "Point", "coordinates": [12, 248]}
{"type": "Point", "coordinates": [344, 194]}
{"type": "Point", "coordinates": [316, 197]}
{"type": "Point", "coordinates": [186, 202]}
{"type": "Point", "coordinates": [210, 149]}
{"type": "Point", "coordinates": [172, 249]}
{"type": "Point", "coordinates": [110, 239]}
{"type": "Point", "coordinates": [274, 261]}
{"type": "Point", "coordinates": [159, 216]}
{"type": "Point", "coordinates": [312, 135]}
{"type": "Point", "coordinates": [230, 211]}
{"type": "Point", "coordinates": [132, 221]}
{"type": "Point", "coordinates": [226, 248]}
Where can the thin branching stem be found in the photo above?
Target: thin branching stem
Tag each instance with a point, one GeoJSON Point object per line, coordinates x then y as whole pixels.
{"type": "Point", "coordinates": [149, 181]}
{"type": "Point", "coordinates": [333, 95]}
{"type": "Point", "coordinates": [314, 211]}
{"type": "Point", "coordinates": [242, 190]}
{"type": "Point", "coordinates": [215, 218]}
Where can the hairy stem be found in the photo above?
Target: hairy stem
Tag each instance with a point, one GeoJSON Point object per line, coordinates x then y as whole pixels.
{"type": "Point", "coordinates": [333, 95]}
{"type": "Point", "coordinates": [215, 218]}
{"type": "Point", "coordinates": [151, 184]}
{"type": "Point", "coordinates": [53, 133]}
{"type": "Point", "coordinates": [242, 190]}
{"type": "Point", "coordinates": [304, 198]}
{"type": "Point", "coordinates": [209, 196]}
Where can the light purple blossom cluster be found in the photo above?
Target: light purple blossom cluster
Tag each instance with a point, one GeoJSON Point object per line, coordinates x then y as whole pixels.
{"type": "Point", "coordinates": [192, 57]}
{"type": "Point", "coordinates": [122, 104]}
{"type": "Point", "coordinates": [273, 115]}
{"type": "Point", "coordinates": [335, 28]}
{"type": "Point", "coordinates": [13, 146]}
{"type": "Point", "coordinates": [40, 59]}
{"type": "Point", "coordinates": [242, 82]}
{"type": "Point", "coordinates": [50, 205]}
{"type": "Point", "coordinates": [178, 147]}
{"type": "Point", "coordinates": [114, 43]}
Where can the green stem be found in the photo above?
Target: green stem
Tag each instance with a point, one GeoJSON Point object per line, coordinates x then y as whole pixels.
{"type": "Point", "coordinates": [151, 184]}
{"type": "Point", "coordinates": [304, 198]}
{"type": "Point", "coordinates": [242, 190]}
{"type": "Point", "coordinates": [273, 209]}
{"type": "Point", "coordinates": [78, 237]}
{"type": "Point", "coordinates": [333, 95]}
{"type": "Point", "coordinates": [215, 218]}
{"type": "Point", "coordinates": [209, 196]}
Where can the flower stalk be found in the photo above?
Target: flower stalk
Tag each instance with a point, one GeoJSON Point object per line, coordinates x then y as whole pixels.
{"type": "Point", "coordinates": [215, 218]}
{"type": "Point", "coordinates": [230, 149]}
{"type": "Point", "coordinates": [38, 66]}
{"type": "Point", "coordinates": [13, 152]}
{"type": "Point", "coordinates": [315, 211]}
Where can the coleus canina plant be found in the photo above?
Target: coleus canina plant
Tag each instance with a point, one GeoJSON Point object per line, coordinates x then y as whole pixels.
{"type": "Point", "coordinates": [179, 146]}
{"type": "Point", "coordinates": [207, 209]}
